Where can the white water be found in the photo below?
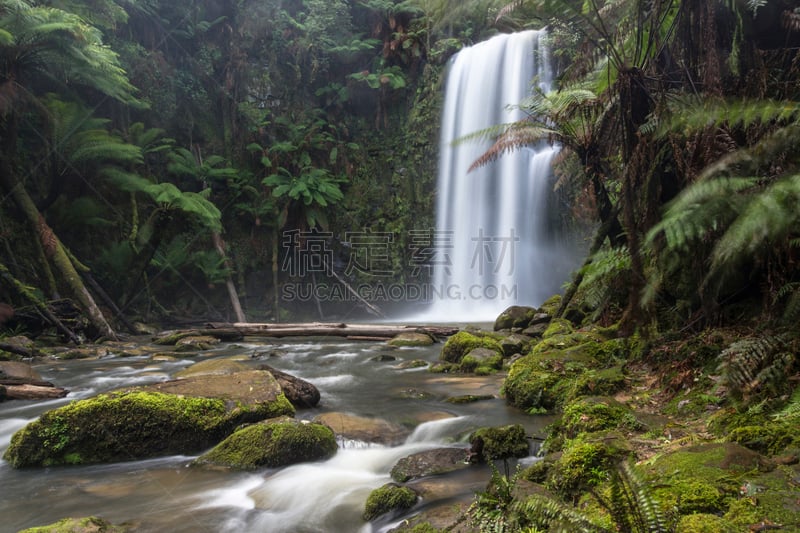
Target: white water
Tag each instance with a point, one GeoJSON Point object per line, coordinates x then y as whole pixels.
{"type": "Point", "coordinates": [493, 248]}
{"type": "Point", "coordinates": [165, 494]}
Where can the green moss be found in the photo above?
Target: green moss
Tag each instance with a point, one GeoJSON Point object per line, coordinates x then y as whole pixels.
{"type": "Point", "coordinates": [586, 462]}
{"type": "Point", "coordinates": [129, 425]}
{"type": "Point", "coordinates": [273, 444]}
{"type": "Point", "coordinates": [463, 342]}
{"type": "Point", "coordinates": [481, 361]}
{"type": "Point", "coordinates": [551, 305]}
{"type": "Point", "coordinates": [500, 442]}
{"type": "Point", "coordinates": [388, 498]}
{"type": "Point", "coordinates": [768, 439]}
{"type": "Point", "coordinates": [588, 415]}
{"type": "Point", "coordinates": [704, 523]}
{"type": "Point", "coordinates": [90, 524]}
{"type": "Point", "coordinates": [558, 326]}
{"type": "Point", "coordinates": [704, 478]}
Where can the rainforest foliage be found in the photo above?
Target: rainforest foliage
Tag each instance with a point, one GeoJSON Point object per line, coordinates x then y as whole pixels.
{"type": "Point", "coordinates": [168, 159]}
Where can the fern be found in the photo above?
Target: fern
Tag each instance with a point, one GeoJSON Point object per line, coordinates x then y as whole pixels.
{"type": "Point", "coordinates": [601, 274]}
{"type": "Point", "coordinates": [758, 366]}
{"type": "Point", "coordinates": [630, 504]}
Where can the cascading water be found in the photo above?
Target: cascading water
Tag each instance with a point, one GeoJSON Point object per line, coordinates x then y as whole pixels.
{"type": "Point", "coordinates": [492, 247]}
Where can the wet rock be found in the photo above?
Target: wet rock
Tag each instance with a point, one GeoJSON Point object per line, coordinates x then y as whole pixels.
{"type": "Point", "coordinates": [216, 367]}
{"type": "Point", "coordinates": [273, 443]}
{"type": "Point", "coordinates": [195, 342]}
{"type": "Point", "coordinates": [383, 358]}
{"type": "Point", "coordinates": [482, 361]}
{"type": "Point", "coordinates": [411, 339]}
{"type": "Point", "coordinates": [469, 398]}
{"type": "Point", "coordinates": [298, 391]}
{"type": "Point", "coordinates": [181, 416]}
{"type": "Point", "coordinates": [516, 316]}
{"type": "Point", "coordinates": [505, 442]}
{"type": "Point", "coordinates": [514, 344]}
{"type": "Point", "coordinates": [463, 342]}
{"type": "Point", "coordinates": [84, 352]}
{"type": "Point", "coordinates": [18, 369]}
{"type": "Point", "coordinates": [536, 330]}
{"type": "Point", "coordinates": [92, 524]}
{"type": "Point", "coordinates": [390, 498]}
{"type": "Point", "coordinates": [373, 430]}
{"type": "Point", "coordinates": [429, 463]}
{"type": "Point", "coordinates": [414, 363]}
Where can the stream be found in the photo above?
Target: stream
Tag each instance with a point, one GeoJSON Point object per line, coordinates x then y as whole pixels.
{"type": "Point", "coordinates": [165, 494]}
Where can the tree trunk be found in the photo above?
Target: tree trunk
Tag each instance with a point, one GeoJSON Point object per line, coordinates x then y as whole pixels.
{"type": "Point", "coordinates": [237, 306]}
{"type": "Point", "coordinates": [53, 247]}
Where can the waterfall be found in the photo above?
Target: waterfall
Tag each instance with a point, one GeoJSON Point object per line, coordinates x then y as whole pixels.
{"type": "Point", "coordinates": [492, 248]}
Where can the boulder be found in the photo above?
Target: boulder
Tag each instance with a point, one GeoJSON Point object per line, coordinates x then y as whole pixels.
{"type": "Point", "coordinates": [411, 339]}
{"type": "Point", "coordinates": [218, 367]}
{"type": "Point", "coordinates": [516, 316]}
{"type": "Point", "coordinates": [490, 443]}
{"type": "Point", "coordinates": [273, 444]}
{"type": "Point", "coordinates": [175, 417]}
{"type": "Point", "coordinates": [482, 361]}
{"type": "Point", "coordinates": [18, 369]}
{"type": "Point", "coordinates": [195, 342]}
{"type": "Point", "coordinates": [429, 463]}
{"type": "Point", "coordinates": [373, 430]}
{"type": "Point", "coordinates": [514, 344]}
{"type": "Point", "coordinates": [460, 344]}
{"type": "Point", "coordinates": [299, 391]}
{"type": "Point", "coordinates": [390, 498]}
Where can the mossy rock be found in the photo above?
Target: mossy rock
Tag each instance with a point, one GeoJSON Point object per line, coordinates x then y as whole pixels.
{"type": "Point", "coordinates": [551, 305]}
{"type": "Point", "coordinates": [217, 366]}
{"type": "Point", "coordinates": [139, 424]}
{"type": "Point", "coordinates": [586, 462]}
{"type": "Point", "coordinates": [390, 498]}
{"type": "Point", "coordinates": [91, 524]}
{"type": "Point", "coordinates": [768, 439]}
{"type": "Point", "coordinates": [515, 344]}
{"type": "Point", "coordinates": [429, 463]}
{"type": "Point", "coordinates": [703, 478]}
{"type": "Point", "coordinates": [704, 523]}
{"type": "Point", "coordinates": [463, 342]}
{"type": "Point", "coordinates": [273, 444]}
{"type": "Point", "coordinates": [516, 316]}
{"type": "Point", "coordinates": [591, 414]}
{"type": "Point", "coordinates": [558, 326]}
{"type": "Point", "coordinates": [545, 381]}
{"type": "Point", "coordinates": [503, 442]}
{"type": "Point", "coordinates": [482, 361]}
{"type": "Point", "coordinates": [411, 339]}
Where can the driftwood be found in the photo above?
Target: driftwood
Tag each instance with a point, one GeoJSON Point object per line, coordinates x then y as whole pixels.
{"type": "Point", "coordinates": [226, 331]}
{"type": "Point", "coordinates": [33, 392]}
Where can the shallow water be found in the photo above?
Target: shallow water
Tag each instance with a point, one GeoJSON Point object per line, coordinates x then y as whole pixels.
{"type": "Point", "coordinates": [165, 494]}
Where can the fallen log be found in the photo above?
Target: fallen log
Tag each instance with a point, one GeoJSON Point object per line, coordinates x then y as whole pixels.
{"type": "Point", "coordinates": [237, 330]}
{"type": "Point", "coordinates": [33, 392]}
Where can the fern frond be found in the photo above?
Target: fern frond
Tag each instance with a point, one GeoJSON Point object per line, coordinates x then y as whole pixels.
{"type": "Point", "coordinates": [756, 365]}
{"type": "Point", "coordinates": [556, 516]}
{"type": "Point", "coordinates": [691, 115]}
{"type": "Point", "coordinates": [768, 218]}
{"type": "Point", "coordinates": [516, 137]}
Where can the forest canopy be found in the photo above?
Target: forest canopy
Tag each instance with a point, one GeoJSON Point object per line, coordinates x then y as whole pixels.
{"type": "Point", "coordinates": [160, 159]}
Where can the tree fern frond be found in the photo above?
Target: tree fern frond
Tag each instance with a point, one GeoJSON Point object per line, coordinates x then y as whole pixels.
{"type": "Point", "coordinates": [515, 137]}
{"type": "Point", "coordinates": [767, 218]}
{"type": "Point", "coordinates": [690, 114]}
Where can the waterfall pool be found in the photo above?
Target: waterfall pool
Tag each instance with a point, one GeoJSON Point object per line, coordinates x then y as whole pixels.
{"type": "Point", "coordinates": [166, 494]}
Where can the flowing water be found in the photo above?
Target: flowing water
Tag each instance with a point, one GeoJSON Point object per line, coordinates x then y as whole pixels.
{"type": "Point", "coordinates": [494, 246]}
{"type": "Point", "coordinates": [166, 494]}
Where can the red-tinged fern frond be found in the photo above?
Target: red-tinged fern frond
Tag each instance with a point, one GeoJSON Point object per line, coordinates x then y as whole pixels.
{"type": "Point", "coordinates": [517, 136]}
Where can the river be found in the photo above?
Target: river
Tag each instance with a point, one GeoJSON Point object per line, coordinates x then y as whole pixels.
{"type": "Point", "coordinates": [165, 494]}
